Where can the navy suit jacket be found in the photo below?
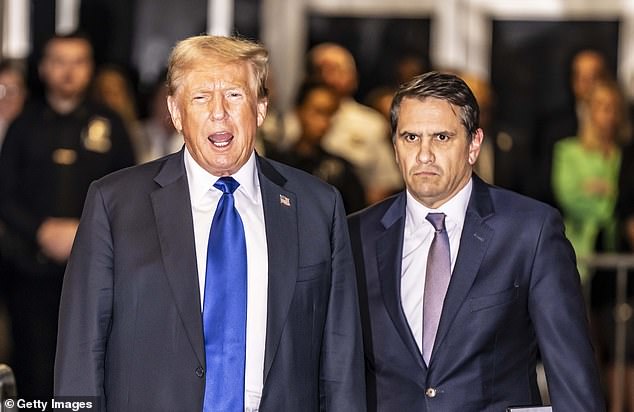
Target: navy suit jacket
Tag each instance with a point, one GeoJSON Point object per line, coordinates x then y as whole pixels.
{"type": "Point", "coordinates": [130, 318]}
{"type": "Point", "coordinates": [514, 289]}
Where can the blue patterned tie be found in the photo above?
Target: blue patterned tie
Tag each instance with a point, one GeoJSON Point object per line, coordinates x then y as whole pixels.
{"type": "Point", "coordinates": [436, 282]}
{"type": "Point", "coordinates": [225, 305]}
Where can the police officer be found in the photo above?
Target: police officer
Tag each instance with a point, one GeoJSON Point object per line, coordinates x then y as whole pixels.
{"type": "Point", "coordinates": [51, 153]}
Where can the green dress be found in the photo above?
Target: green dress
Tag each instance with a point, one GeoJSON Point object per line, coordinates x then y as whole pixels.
{"type": "Point", "coordinates": [585, 215]}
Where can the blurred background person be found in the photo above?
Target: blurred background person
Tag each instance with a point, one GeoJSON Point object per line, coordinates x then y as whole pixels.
{"type": "Point", "coordinates": [380, 99]}
{"type": "Point", "coordinates": [13, 93]}
{"type": "Point", "coordinates": [358, 133]}
{"type": "Point", "coordinates": [112, 87]}
{"type": "Point", "coordinates": [315, 108]}
{"type": "Point", "coordinates": [587, 66]}
{"type": "Point", "coordinates": [12, 96]}
{"type": "Point", "coordinates": [585, 183]}
{"type": "Point", "coordinates": [52, 151]}
{"type": "Point", "coordinates": [586, 169]}
{"type": "Point", "coordinates": [159, 136]}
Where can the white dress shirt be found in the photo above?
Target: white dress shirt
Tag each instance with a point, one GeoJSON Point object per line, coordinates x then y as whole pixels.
{"type": "Point", "coordinates": [248, 201]}
{"type": "Point", "coordinates": [417, 239]}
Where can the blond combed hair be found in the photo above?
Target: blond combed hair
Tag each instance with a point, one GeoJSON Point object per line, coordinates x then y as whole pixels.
{"type": "Point", "coordinates": [188, 52]}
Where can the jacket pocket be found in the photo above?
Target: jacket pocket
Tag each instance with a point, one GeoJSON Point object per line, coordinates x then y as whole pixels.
{"type": "Point", "coordinates": [495, 299]}
{"type": "Point", "coordinates": [311, 272]}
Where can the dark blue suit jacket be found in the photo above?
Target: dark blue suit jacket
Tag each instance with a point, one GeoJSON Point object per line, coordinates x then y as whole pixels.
{"type": "Point", "coordinates": [514, 289]}
{"type": "Point", "coordinates": [130, 319]}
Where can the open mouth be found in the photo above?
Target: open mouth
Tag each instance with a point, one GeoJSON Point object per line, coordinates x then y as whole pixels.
{"type": "Point", "coordinates": [221, 139]}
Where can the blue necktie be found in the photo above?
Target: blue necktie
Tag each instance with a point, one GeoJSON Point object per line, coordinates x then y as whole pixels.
{"type": "Point", "coordinates": [225, 305]}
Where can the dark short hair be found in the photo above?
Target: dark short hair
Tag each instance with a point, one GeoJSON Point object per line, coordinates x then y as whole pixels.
{"type": "Point", "coordinates": [75, 35]}
{"type": "Point", "coordinates": [443, 86]}
{"type": "Point", "coordinates": [306, 88]}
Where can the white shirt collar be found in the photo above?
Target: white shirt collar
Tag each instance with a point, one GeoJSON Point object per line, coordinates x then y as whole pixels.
{"type": "Point", "coordinates": [455, 208]}
{"type": "Point", "coordinates": [201, 181]}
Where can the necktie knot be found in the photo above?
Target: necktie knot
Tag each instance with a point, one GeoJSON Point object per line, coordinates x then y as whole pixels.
{"type": "Point", "coordinates": [437, 220]}
{"type": "Point", "coordinates": [226, 185]}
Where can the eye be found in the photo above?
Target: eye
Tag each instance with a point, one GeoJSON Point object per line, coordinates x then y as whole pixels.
{"type": "Point", "coordinates": [199, 98]}
{"type": "Point", "coordinates": [234, 94]}
{"type": "Point", "coordinates": [442, 137]}
{"type": "Point", "coordinates": [410, 137]}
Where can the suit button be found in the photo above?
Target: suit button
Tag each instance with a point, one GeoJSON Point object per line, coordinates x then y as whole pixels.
{"type": "Point", "coordinates": [430, 392]}
{"type": "Point", "coordinates": [200, 372]}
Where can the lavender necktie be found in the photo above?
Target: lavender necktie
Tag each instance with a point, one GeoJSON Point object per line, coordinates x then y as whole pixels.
{"type": "Point", "coordinates": [436, 282]}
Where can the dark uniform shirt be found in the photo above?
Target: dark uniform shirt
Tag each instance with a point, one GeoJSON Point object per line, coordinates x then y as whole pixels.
{"type": "Point", "coordinates": [47, 162]}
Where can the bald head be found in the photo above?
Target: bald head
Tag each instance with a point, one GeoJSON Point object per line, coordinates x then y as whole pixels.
{"type": "Point", "coordinates": [334, 65]}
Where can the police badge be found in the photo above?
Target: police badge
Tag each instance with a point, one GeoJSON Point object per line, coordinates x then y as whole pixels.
{"type": "Point", "coordinates": [96, 136]}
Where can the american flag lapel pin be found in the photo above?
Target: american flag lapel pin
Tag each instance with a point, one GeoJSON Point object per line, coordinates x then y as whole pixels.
{"type": "Point", "coordinates": [285, 201]}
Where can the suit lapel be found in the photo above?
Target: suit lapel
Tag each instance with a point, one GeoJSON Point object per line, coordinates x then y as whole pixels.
{"type": "Point", "coordinates": [476, 235]}
{"type": "Point", "coordinates": [389, 250]}
{"type": "Point", "coordinates": [280, 216]}
{"type": "Point", "coordinates": [172, 211]}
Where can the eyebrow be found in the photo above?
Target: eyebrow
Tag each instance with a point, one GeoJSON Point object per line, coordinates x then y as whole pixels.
{"type": "Point", "coordinates": [443, 132]}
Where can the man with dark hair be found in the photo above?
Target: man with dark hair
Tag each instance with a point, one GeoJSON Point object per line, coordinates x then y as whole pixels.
{"type": "Point", "coordinates": [51, 153]}
{"type": "Point", "coordinates": [461, 283]}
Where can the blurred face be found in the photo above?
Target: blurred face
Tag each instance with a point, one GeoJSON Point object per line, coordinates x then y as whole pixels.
{"type": "Point", "coordinates": [12, 95]}
{"type": "Point", "coordinates": [112, 89]}
{"type": "Point", "coordinates": [67, 67]}
{"type": "Point", "coordinates": [216, 108]}
{"type": "Point", "coordinates": [315, 114]}
{"type": "Point", "coordinates": [433, 151]}
{"type": "Point", "coordinates": [605, 111]}
{"type": "Point", "coordinates": [587, 68]}
{"type": "Point", "coordinates": [337, 70]}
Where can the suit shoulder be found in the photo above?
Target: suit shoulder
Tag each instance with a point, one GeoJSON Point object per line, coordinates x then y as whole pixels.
{"type": "Point", "coordinates": [135, 178]}
{"type": "Point", "coordinates": [508, 202]}
{"type": "Point", "coordinates": [375, 212]}
{"type": "Point", "coordinates": [299, 180]}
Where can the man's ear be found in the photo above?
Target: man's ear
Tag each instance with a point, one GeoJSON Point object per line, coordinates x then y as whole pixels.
{"type": "Point", "coordinates": [175, 113]}
{"type": "Point", "coordinates": [475, 145]}
{"type": "Point", "coordinates": [262, 108]}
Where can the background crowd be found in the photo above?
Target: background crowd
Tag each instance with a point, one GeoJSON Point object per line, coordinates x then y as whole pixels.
{"type": "Point", "coordinates": [80, 121]}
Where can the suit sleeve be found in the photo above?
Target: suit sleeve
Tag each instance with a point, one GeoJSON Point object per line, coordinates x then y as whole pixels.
{"type": "Point", "coordinates": [558, 314]}
{"type": "Point", "coordinates": [342, 381]}
{"type": "Point", "coordinates": [86, 305]}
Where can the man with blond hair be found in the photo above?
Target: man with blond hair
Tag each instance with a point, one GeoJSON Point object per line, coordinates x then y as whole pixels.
{"type": "Point", "coordinates": [212, 279]}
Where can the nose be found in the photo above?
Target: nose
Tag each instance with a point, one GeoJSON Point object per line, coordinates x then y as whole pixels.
{"type": "Point", "coordinates": [425, 152]}
{"type": "Point", "coordinates": [217, 109]}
